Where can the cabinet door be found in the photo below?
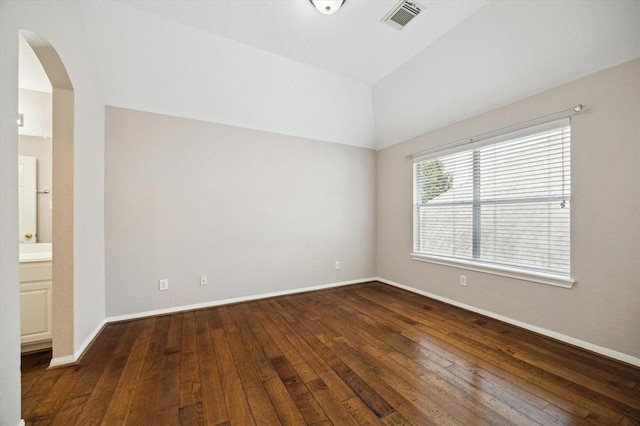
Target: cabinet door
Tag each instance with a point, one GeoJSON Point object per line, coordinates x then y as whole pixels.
{"type": "Point", "coordinates": [35, 311]}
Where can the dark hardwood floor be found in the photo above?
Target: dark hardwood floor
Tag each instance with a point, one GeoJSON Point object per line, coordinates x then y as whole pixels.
{"type": "Point", "coordinates": [362, 354]}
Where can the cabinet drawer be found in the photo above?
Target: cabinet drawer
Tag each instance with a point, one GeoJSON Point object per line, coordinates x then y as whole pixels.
{"type": "Point", "coordinates": [35, 271]}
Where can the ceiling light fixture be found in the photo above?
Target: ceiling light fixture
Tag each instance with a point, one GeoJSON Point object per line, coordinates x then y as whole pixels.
{"type": "Point", "coordinates": [327, 7]}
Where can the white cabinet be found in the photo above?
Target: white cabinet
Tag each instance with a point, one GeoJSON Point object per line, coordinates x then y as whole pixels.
{"type": "Point", "coordinates": [36, 287]}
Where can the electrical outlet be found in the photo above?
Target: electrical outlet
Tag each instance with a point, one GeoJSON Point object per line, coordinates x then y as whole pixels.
{"type": "Point", "coordinates": [463, 280]}
{"type": "Point", "coordinates": [163, 285]}
{"type": "Point", "coordinates": [337, 264]}
{"type": "Point", "coordinates": [203, 280]}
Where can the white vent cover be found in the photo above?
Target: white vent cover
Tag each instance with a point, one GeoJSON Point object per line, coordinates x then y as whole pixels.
{"type": "Point", "coordinates": [402, 14]}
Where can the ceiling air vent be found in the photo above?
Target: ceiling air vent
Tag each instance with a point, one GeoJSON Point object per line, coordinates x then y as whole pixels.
{"type": "Point", "coordinates": [401, 14]}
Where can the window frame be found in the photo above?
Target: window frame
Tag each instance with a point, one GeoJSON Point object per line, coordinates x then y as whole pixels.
{"type": "Point", "coordinates": [475, 264]}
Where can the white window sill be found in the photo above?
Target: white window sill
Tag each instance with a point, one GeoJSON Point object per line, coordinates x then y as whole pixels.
{"type": "Point", "coordinates": [519, 274]}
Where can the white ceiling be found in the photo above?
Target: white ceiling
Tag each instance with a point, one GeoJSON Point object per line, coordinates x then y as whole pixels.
{"type": "Point", "coordinates": [352, 42]}
{"type": "Point", "coordinates": [281, 66]}
{"type": "Point", "coordinates": [507, 51]}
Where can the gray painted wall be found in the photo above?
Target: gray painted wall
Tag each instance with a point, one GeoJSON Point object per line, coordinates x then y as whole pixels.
{"type": "Point", "coordinates": [603, 306]}
{"type": "Point", "coordinates": [256, 212]}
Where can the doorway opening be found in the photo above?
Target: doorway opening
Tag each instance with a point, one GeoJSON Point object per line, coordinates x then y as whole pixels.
{"type": "Point", "coordinates": [46, 235]}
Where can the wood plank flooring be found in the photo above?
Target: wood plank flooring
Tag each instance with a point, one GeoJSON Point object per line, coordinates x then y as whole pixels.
{"type": "Point", "coordinates": [362, 354]}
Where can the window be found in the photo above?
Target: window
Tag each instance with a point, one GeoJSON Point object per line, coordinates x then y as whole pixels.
{"type": "Point", "coordinates": [501, 203]}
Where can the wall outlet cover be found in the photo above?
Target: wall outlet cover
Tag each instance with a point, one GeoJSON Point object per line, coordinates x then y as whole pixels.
{"type": "Point", "coordinates": [163, 284]}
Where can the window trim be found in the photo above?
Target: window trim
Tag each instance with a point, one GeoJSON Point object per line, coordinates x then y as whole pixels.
{"type": "Point", "coordinates": [541, 277]}
{"type": "Point", "coordinates": [502, 271]}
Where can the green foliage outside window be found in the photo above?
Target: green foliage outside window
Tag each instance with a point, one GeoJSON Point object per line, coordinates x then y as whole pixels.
{"type": "Point", "coordinates": [432, 180]}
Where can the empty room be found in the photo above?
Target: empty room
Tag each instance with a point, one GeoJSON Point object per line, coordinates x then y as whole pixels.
{"type": "Point", "coordinates": [320, 212]}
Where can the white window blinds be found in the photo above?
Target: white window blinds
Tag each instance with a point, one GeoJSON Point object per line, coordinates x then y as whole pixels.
{"type": "Point", "coordinates": [503, 201]}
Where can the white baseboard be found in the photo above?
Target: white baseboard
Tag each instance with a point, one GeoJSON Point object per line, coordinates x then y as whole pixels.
{"type": "Point", "coordinates": [87, 342]}
{"type": "Point", "coordinates": [71, 359]}
{"type": "Point", "coordinates": [62, 361]}
{"type": "Point", "coordinates": [77, 354]}
{"type": "Point", "coordinates": [545, 332]}
{"type": "Point", "coordinates": [232, 300]}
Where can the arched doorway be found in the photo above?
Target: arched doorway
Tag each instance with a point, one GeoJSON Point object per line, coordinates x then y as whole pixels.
{"type": "Point", "coordinates": [63, 148]}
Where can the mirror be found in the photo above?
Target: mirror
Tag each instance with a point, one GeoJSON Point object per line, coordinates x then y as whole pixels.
{"type": "Point", "coordinates": [35, 200]}
{"type": "Point", "coordinates": [27, 214]}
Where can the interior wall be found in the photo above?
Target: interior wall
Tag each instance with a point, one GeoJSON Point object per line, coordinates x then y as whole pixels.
{"type": "Point", "coordinates": [602, 308]}
{"type": "Point", "coordinates": [150, 63]}
{"type": "Point", "coordinates": [63, 293]}
{"type": "Point", "coordinates": [36, 109]}
{"type": "Point", "coordinates": [256, 212]}
{"type": "Point", "coordinates": [9, 290]}
{"type": "Point", "coordinates": [63, 26]}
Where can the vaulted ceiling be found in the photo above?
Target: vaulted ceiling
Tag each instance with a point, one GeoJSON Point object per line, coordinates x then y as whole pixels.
{"type": "Point", "coordinates": [281, 66]}
{"type": "Point", "coordinates": [353, 42]}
